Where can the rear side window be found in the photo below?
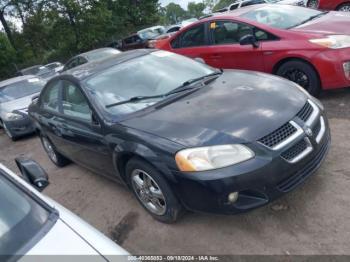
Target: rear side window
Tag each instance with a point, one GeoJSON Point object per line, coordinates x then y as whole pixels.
{"type": "Point", "coordinates": [193, 37]}
{"type": "Point", "coordinates": [74, 102]}
{"type": "Point", "coordinates": [234, 6]}
{"type": "Point", "coordinates": [50, 97]}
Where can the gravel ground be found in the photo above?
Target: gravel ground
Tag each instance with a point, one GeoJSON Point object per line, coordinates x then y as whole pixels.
{"type": "Point", "coordinates": [314, 219]}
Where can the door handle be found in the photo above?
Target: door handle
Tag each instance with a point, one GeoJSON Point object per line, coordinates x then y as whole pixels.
{"type": "Point", "coordinates": [55, 130]}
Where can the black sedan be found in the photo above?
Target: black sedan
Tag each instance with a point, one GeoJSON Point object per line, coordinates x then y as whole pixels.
{"type": "Point", "coordinates": [183, 135]}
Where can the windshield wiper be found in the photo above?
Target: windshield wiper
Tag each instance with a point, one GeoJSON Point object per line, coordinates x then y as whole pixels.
{"type": "Point", "coordinates": [309, 19]}
{"type": "Point", "coordinates": [184, 87]}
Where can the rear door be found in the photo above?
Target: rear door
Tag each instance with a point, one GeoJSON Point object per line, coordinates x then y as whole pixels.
{"type": "Point", "coordinates": [226, 51]}
{"type": "Point", "coordinates": [81, 131]}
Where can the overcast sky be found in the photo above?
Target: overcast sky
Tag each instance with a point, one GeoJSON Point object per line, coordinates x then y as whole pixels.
{"type": "Point", "coordinates": [183, 3]}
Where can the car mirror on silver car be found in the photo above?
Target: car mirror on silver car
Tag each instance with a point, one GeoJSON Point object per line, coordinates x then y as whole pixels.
{"type": "Point", "coordinates": [33, 173]}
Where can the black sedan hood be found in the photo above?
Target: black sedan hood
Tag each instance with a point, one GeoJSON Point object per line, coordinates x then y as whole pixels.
{"type": "Point", "coordinates": [238, 107]}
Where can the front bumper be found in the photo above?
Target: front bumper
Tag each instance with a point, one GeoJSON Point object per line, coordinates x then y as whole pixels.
{"type": "Point", "coordinates": [258, 181]}
{"type": "Point", "coordinates": [329, 65]}
{"type": "Point", "coordinates": [20, 127]}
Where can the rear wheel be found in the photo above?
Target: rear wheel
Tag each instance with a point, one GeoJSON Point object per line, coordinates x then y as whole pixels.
{"type": "Point", "coordinates": [344, 7]}
{"type": "Point", "coordinates": [301, 73]}
{"type": "Point", "coordinates": [58, 159]}
{"type": "Point", "coordinates": [152, 191]}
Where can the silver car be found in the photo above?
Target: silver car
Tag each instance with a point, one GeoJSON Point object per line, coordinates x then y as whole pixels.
{"type": "Point", "coordinates": [32, 224]}
{"type": "Point", "coordinates": [15, 96]}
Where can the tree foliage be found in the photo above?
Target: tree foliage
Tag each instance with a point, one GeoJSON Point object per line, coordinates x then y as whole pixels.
{"type": "Point", "coordinates": [58, 29]}
{"type": "Point", "coordinates": [42, 31]}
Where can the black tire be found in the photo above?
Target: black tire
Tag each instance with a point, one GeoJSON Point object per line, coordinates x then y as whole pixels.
{"type": "Point", "coordinates": [173, 208]}
{"type": "Point", "coordinates": [8, 133]}
{"type": "Point", "coordinates": [312, 4]}
{"type": "Point", "coordinates": [301, 73]}
{"type": "Point", "coordinates": [344, 7]}
{"type": "Point", "coordinates": [59, 160]}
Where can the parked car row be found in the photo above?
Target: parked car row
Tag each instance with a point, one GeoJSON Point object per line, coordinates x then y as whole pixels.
{"type": "Point", "coordinates": [306, 46]}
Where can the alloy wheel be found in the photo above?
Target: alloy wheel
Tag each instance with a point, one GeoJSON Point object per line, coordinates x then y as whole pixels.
{"type": "Point", "coordinates": [297, 76]}
{"type": "Point", "coordinates": [148, 192]}
{"type": "Point", "coordinates": [313, 4]}
{"type": "Point", "coordinates": [7, 131]}
{"type": "Point", "coordinates": [345, 8]}
{"type": "Point", "coordinates": [49, 149]}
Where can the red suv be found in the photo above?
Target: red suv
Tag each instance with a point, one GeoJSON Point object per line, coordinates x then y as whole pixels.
{"type": "Point", "coordinates": [307, 46]}
{"type": "Point", "coordinates": [339, 5]}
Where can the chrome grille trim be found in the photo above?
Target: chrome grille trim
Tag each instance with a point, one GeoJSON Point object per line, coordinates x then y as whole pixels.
{"type": "Point", "coordinates": [303, 154]}
{"type": "Point", "coordinates": [315, 113]}
{"type": "Point", "coordinates": [290, 139]}
{"type": "Point", "coordinates": [322, 131]}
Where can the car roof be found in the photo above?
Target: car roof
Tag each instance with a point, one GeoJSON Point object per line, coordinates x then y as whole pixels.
{"type": "Point", "coordinates": [16, 80]}
{"type": "Point", "coordinates": [86, 70]}
{"type": "Point", "coordinates": [95, 51]}
{"type": "Point", "coordinates": [233, 13]}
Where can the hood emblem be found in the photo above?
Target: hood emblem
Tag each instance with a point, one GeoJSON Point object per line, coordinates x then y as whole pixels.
{"type": "Point", "coordinates": [308, 131]}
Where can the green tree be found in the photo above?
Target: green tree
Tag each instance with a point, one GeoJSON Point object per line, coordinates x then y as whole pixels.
{"type": "Point", "coordinates": [195, 9]}
{"type": "Point", "coordinates": [7, 57]}
{"type": "Point", "coordinates": [174, 13]}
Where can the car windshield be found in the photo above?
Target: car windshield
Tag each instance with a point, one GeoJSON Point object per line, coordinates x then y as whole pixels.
{"type": "Point", "coordinates": [21, 217]}
{"type": "Point", "coordinates": [101, 54]}
{"type": "Point", "coordinates": [40, 70]}
{"type": "Point", "coordinates": [151, 33]}
{"type": "Point", "coordinates": [283, 18]}
{"type": "Point", "coordinates": [150, 75]}
{"type": "Point", "coordinates": [53, 65]}
{"type": "Point", "coordinates": [21, 89]}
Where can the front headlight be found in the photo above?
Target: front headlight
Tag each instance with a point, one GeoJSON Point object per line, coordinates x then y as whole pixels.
{"type": "Point", "coordinates": [333, 41]}
{"type": "Point", "coordinates": [13, 117]}
{"type": "Point", "coordinates": [213, 157]}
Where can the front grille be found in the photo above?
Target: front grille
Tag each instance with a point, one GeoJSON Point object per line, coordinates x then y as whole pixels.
{"type": "Point", "coordinates": [295, 150]}
{"type": "Point", "coordinates": [316, 129]}
{"type": "Point", "coordinates": [305, 112]}
{"type": "Point", "coordinates": [278, 135]}
{"type": "Point", "coordinates": [293, 181]}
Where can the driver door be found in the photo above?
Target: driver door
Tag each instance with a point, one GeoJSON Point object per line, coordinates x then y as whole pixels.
{"type": "Point", "coordinates": [226, 51]}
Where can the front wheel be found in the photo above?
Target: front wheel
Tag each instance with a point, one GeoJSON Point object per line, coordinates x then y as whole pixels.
{"type": "Point", "coordinates": [58, 159]}
{"type": "Point", "coordinates": [344, 7]}
{"type": "Point", "coordinates": [152, 191]}
{"type": "Point", "coordinates": [301, 73]}
{"type": "Point", "coordinates": [8, 132]}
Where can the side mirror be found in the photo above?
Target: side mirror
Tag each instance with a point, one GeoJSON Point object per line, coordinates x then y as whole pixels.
{"type": "Point", "coordinates": [33, 173]}
{"type": "Point", "coordinates": [249, 40]}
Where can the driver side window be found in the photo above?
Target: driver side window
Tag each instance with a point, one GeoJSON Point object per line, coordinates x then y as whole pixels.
{"type": "Point", "coordinates": [74, 103]}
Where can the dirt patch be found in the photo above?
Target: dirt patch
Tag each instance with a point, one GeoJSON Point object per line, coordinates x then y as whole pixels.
{"type": "Point", "coordinates": [121, 231]}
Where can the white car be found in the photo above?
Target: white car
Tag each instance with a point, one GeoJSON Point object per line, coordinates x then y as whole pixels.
{"type": "Point", "coordinates": [242, 3]}
{"type": "Point", "coordinates": [33, 224]}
